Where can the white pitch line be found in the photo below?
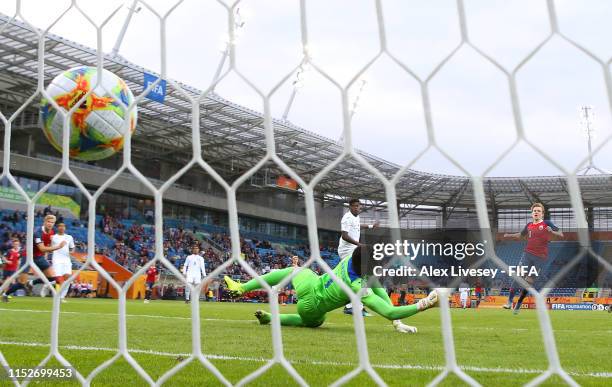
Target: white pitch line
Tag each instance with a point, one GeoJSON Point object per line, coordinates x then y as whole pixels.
{"type": "Point", "coordinates": [252, 321]}
{"type": "Point", "coordinates": [318, 363]}
{"type": "Point", "coordinates": [127, 315]}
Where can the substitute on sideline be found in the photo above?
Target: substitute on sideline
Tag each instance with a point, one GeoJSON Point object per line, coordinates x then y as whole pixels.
{"type": "Point", "coordinates": [60, 260]}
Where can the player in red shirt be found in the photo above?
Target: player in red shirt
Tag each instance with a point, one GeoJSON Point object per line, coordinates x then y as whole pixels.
{"type": "Point", "coordinates": [12, 259]}
{"type": "Point", "coordinates": [150, 282]}
{"type": "Point", "coordinates": [538, 233]}
{"type": "Point", "coordinates": [478, 291]}
{"type": "Point", "coordinates": [42, 245]}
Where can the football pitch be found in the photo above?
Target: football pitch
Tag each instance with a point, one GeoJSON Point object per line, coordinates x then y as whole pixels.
{"type": "Point", "coordinates": [492, 346]}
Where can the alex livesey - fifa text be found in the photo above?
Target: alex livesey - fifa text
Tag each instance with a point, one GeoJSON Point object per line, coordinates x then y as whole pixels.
{"type": "Point", "coordinates": [453, 271]}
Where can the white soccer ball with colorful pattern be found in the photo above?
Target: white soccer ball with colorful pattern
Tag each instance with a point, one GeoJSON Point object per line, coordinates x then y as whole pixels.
{"type": "Point", "coordinates": [96, 126]}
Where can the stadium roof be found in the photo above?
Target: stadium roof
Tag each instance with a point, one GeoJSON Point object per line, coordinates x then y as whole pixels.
{"type": "Point", "coordinates": [232, 137]}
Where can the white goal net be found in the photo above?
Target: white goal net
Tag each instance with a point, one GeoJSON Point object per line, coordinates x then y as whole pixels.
{"type": "Point", "coordinates": [232, 67]}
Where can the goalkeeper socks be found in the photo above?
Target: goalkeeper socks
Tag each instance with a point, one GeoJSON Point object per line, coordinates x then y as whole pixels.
{"type": "Point", "coordinates": [272, 278]}
{"type": "Point", "coordinates": [406, 311]}
{"type": "Point", "coordinates": [291, 320]}
{"type": "Point", "coordinates": [288, 320]}
{"type": "Point", "coordinates": [382, 293]}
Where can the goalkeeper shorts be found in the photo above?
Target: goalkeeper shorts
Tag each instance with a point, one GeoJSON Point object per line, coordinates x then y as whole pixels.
{"type": "Point", "coordinates": [308, 305]}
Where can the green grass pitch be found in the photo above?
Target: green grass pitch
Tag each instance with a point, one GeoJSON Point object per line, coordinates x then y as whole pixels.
{"type": "Point", "coordinates": [493, 346]}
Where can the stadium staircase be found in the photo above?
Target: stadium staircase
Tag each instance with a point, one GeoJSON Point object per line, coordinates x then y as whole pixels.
{"type": "Point", "coordinates": [208, 242]}
{"type": "Point", "coordinates": [117, 272]}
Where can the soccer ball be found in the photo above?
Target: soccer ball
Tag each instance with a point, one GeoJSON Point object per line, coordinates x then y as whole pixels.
{"type": "Point", "coordinates": [96, 126]}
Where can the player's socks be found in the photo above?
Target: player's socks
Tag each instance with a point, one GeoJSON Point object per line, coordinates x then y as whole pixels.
{"type": "Point", "coordinates": [517, 308]}
{"type": "Point", "coordinates": [510, 298]}
{"type": "Point", "coordinates": [59, 280]}
{"type": "Point", "coordinates": [65, 292]}
{"type": "Point", "coordinates": [187, 293]}
{"type": "Point", "coordinates": [39, 281]}
{"type": "Point", "coordinates": [14, 287]}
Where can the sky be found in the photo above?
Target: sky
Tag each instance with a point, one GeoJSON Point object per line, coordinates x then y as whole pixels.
{"type": "Point", "coordinates": [470, 99]}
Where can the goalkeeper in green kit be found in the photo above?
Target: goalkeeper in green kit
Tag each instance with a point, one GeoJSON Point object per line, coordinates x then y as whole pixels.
{"type": "Point", "coordinates": [318, 295]}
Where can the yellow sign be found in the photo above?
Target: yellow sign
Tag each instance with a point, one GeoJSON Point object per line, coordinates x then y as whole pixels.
{"type": "Point", "coordinates": [47, 199]}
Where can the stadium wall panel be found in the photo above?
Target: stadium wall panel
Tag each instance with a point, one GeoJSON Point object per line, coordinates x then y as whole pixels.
{"type": "Point", "coordinates": [93, 178]}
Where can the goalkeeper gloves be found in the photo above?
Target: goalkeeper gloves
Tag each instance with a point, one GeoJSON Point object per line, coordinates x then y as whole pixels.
{"type": "Point", "coordinates": [403, 328]}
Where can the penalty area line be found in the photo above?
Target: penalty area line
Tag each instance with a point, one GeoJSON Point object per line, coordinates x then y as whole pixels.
{"type": "Point", "coordinates": [253, 321]}
{"type": "Point", "coordinates": [127, 315]}
{"type": "Point", "coordinates": [318, 363]}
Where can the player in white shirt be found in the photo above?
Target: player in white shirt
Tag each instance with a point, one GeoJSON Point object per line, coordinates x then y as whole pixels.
{"type": "Point", "coordinates": [350, 227]}
{"type": "Point", "coordinates": [194, 270]}
{"type": "Point", "coordinates": [62, 265]}
{"type": "Point", "coordinates": [464, 293]}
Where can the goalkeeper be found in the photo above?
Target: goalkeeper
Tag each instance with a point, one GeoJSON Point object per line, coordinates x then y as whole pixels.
{"type": "Point", "coordinates": [318, 295]}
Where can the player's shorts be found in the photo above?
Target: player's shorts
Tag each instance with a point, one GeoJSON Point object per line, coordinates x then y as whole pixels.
{"type": "Point", "coordinates": [345, 252]}
{"type": "Point", "coordinates": [149, 285]}
{"type": "Point", "coordinates": [194, 279]}
{"type": "Point", "coordinates": [7, 273]}
{"type": "Point", "coordinates": [41, 262]}
{"type": "Point", "coordinates": [530, 260]}
{"type": "Point", "coordinates": [62, 268]}
{"type": "Point", "coordinates": [308, 305]}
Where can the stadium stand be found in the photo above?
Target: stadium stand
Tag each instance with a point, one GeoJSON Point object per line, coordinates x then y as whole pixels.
{"type": "Point", "coordinates": [131, 244]}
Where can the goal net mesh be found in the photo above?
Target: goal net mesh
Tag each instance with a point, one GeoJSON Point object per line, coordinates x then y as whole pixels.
{"type": "Point", "coordinates": [308, 188]}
